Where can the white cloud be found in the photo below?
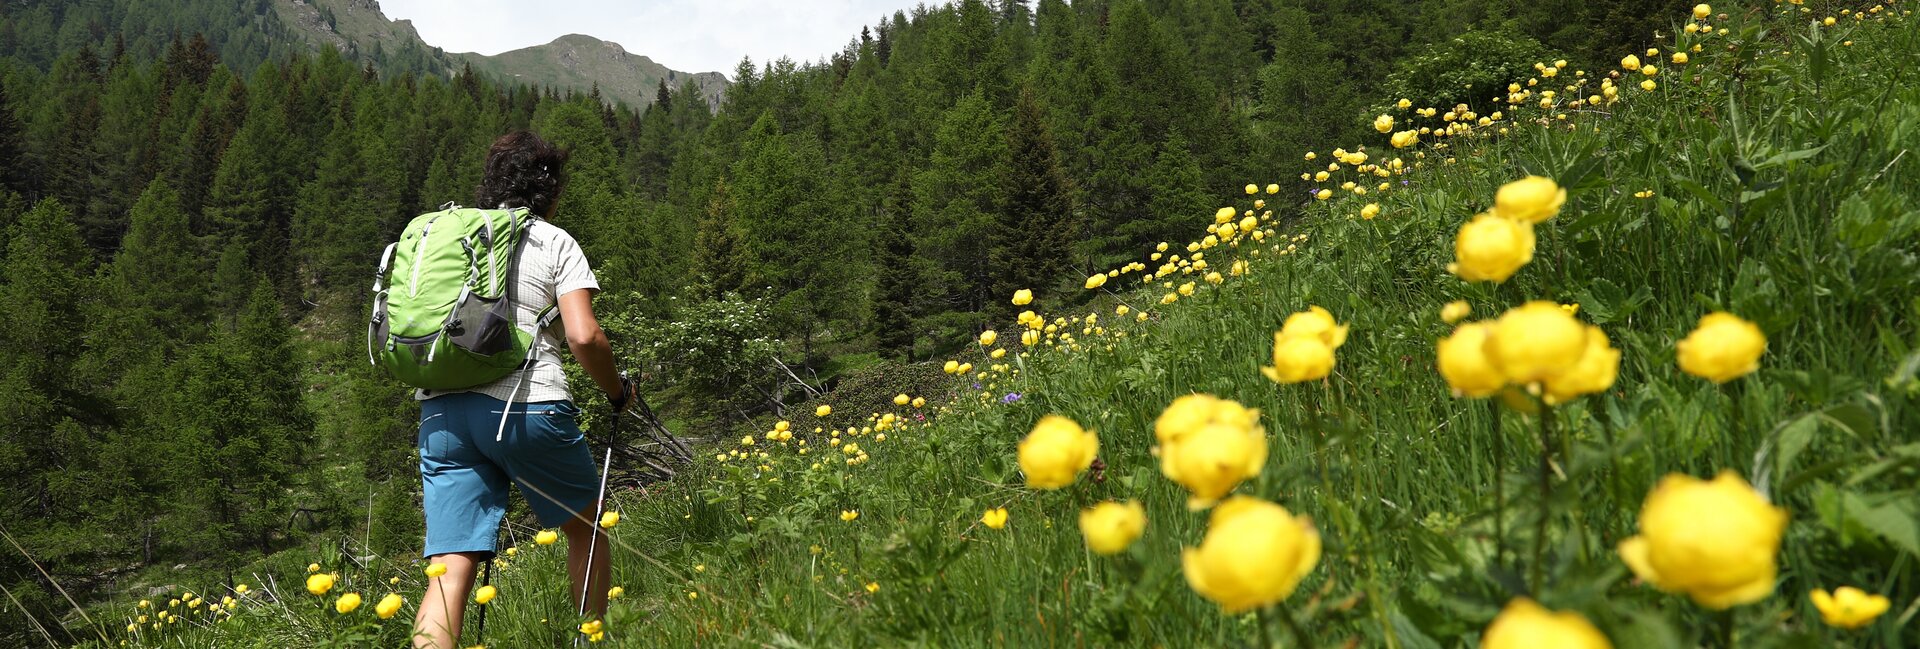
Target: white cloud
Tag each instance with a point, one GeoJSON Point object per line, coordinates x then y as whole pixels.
{"type": "Point", "coordinates": [686, 35]}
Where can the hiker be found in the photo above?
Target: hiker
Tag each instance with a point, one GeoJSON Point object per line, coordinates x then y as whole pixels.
{"type": "Point", "coordinates": [523, 427]}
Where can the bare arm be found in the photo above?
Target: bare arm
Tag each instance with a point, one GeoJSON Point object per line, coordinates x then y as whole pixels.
{"type": "Point", "coordinates": [589, 342]}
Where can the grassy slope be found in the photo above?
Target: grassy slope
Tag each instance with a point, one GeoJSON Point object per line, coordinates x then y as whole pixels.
{"type": "Point", "coordinates": [1785, 197]}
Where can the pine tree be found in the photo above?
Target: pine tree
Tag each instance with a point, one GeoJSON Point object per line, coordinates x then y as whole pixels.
{"type": "Point", "coordinates": [1038, 223]}
{"type": "Point", "coordinates": [718, 257]}
{"type": "Point", "coordinates": [805, 255]}
{"type": "Point", "coordinates": [15, 174]}
{"type": "Point", "coordinates": [957, 202]}
{"type": "Point", "coordinates": [895, 264]}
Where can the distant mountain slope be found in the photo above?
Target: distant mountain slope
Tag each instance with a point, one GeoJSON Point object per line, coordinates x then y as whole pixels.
{"type": "Point", "coordinates": [579, 61]}
{"type": "Point", "coordinates": [573, 61]}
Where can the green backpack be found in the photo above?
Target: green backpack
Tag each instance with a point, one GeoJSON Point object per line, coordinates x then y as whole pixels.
{"type": "Point", "coordinates": [442, 317]}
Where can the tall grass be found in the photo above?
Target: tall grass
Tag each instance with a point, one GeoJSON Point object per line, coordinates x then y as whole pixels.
{"type": "Point", "coordinates": [1783, 186]}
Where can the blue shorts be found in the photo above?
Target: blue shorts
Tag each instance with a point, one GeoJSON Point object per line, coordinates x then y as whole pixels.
{"type": "Point", "coordinates": [464, 472]}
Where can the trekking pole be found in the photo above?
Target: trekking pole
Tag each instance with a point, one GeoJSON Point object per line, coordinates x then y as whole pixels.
{"type": "Point", "coordinates": [600, 503]}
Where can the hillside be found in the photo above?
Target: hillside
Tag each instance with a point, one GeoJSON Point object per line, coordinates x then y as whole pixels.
{"type": "Point", "coordinates": [581, 62]}
{"type": "Point", "coordinates": [572, 62]}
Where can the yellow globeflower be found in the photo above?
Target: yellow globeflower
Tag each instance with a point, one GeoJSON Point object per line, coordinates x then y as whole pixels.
{"type": "Point", "coordinates": [1056, 451]}
{"type": "Point", "coordinates": [1110, 527]}
{"type": "Point", "coordinates": [347, 603]}
{"type": "Point", "coordinates": [919, 402]}
{"type": "Point", "coordinates": [1848, 607]}
{"type": "Point", "coordinates": [1324, 194]}
{"type": "Point", "coordinates": [1096, 280]}
{"type": "Point", "coordinates": [1455, 311]}
{"type": "Point", "coordinates": [389, 606]}
{"type": "Point", "coordinates": [1595, 372]}
{"type": "Point", "coordinates": [1722, 348]}
{"type": "Point", "coordinates": [987, 337]}
{"type": "Point", "coordinates": [1030, 337]}
{"type": "Point", "coordinates": [1022, 297]}
{"type": "Point", "coordinates": [1298, 359]}
{"type": "Point", "coordinates": [1701, 11]}
{"type": "Point", "coordinates": [849, 515]}
{"type": "Point", "coordinates": [1273, 188]}
{"type": "Point", "coordinates": [485, 594]}
{"type": "Point", "coordinates": [1370, 211]}
{"type": "Point", "coordinates": [1462, 359]}
{"type": "Point", "coordinates": [1536, 341]}
{"type": "Point", "coordinates": [996, 518]}
{"type": "Point", "coordinates": [1213, 459]}
{"type": "Point", "coordinates": [1714, 540]}
{"type": "Point", "coordinates": [609, 519]}
{"type": "Point", "coordinates": [546, 537]}
{"type": "Point", "coordinates": [1383, 123]}
{"type": "Point", "coordinates": [1491, 249]}
{"type": "Point", "coordinates": [615, 592]}
{"type": "Point", "coordinates": [1526, 625]}
{"type": "Point", "coordinates": [436, 569]}
{"type": "Point", "coordinates": [1531, 199]}
{"type": "Point", "coordinates": [1254, 554]}
{"type": "Point", "coordinates": [1404, 139]}
{"type": "Point", "coordinates": [319, 584]}
{"type": "Point", "coordinates": [1679, 58]}
{"type": "Point", "coordinates": [1195, 411]}
{"type": "Point", "coordinates": [823, 411]}
{"type": "Point", "coordinates": [1630, 62]}
{"type": "Point", "coordinates": [1316, 323]}
{"type": "Point", "coordinates": [901, 399]}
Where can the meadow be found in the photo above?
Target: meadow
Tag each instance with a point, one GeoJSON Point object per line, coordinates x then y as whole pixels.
{"type": "Point", "coordinates": [1599, 464]}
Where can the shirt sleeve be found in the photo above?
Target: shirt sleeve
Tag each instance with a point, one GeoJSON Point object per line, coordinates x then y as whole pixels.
{"type": "Point", "coordinates": [570, 269]}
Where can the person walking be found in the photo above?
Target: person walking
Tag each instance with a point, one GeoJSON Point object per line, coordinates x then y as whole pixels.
{"type": "Point", "coordinates": [521, 429]}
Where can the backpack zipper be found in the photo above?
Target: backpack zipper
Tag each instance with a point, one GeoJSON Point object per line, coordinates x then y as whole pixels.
{"type": "Point", "coordinates": [413, 287]}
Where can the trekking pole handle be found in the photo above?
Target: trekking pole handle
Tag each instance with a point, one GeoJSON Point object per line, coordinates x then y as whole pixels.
{"type": "Point", "coordinates": [626, 391]}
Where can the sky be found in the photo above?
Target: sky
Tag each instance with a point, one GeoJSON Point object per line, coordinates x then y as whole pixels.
{"type": "Point", "coordinates": [685, 35]}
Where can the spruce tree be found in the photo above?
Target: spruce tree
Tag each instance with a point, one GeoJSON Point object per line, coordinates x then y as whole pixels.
{"type": "Point", "coordinates": [719, 260]}
{"type": "Point", "coordinates": [1039, 222]}
{"type": "Point", "coordinates": [16, 175]}
{"type": "Point", "coordinates": [958, 198]}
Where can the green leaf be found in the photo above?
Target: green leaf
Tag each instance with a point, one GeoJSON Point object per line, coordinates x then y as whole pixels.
{"type": "Point", "coordinates": [1898, 522]}
{"type": "Point", "coordinates": [1646, 630]}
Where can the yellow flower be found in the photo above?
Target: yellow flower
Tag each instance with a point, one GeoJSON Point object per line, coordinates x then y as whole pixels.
{"type": "Point", "coordinates": [1383, 123]}
{"type": "Point", "coordinates": [609, 519]}
{"type": "Point", "coordinates": [615, 592]}
{"type": "Point", "coordinates": [1714, 540]}
{"type": "Point", "coordinates": [313, 568]}
{"type": "Point", "coordinates": [389, 606]}
{"type": "Point", "coordinates": [321, 583]}
{"type": "Point", "coordinates": [347, 603]}
{"type": "Point", "coordinates": [987, 337]}
{"type": "Point", "coordinates": [1096, 280]}
{"type": "Point", "coordinates": [1462, 359]}
{"type": "Point", "coordinates": [1526, 625]}
{"type": "Point", "coordinates": [591, 627]}
{"type": "Point", "coordinates": [1254, 554]}
{"type": "Point", "coordinates": [1370, 211]}
{"type": "Point", "coordinates": [998, 353]}
{"type": "Point", "coordinates": [485, 594]}
{"type": "Point", "coordinates": [823, 411]}
{"type": "Point", "coordinates": [1536, 341]}
{"type": "Point", "coordinates": [1055, 452]}
{"type": "Point", "coordinates": [1210, 445]}
{"type": "Point", "coordinates": [1324, 194]}
{"type": "Point", "coordinates": [1631, 62]}
{"type": "Point", "coordinates": [1848, 607]}
{"type": "Point", "coordinates": [1404, 104]}
{"type": "Point", "coordinates": [1029, 338]}
{"type": "Point", "coordinates": [1455, 311]}
{"type": "Point", "coordinates": [1316, 323]}
{"type": "Point", "coordinates": [436, 569]}
{"type": "Point", "coordinates": [1595, 372]}
{"type": "Point", "coordinates": [546, 537]}
{"type": "Point", "coordinates": [1679, 58]}
{"type": "Point", "coordinates": [1273, 188]}
{"type": "Point", "coordinates": [1022, 297]}
{"type": "Point", "coordinates": [1530, 200]}
{"type": "Point", "coordinates": [1110, 527]}
{"type": "Point", "coordinates": [921, 402]}
{"type": "Point", "coordinates": [1298, 359]}
{"type": "Point", "coordinates": [901, 399]}
{"type": "Point", "coordinates": [1701, 11]}
{"type": "Point", "coordinates": [873, 587]}
{"type": "Point", "coordinates": [1722, 348]}
{"type": "Point", "coordinates": [849, 515]}
{"type": "Point", "coordinates": [1490, 248]}
{"type": "Point", "coordinates": [1650, 70]}
{"type": "Point", "coordinates": [996, 518]}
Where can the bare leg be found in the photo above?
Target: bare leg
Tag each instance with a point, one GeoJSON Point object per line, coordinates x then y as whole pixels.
{"type": "Point", "coordinates": [580, 534]}
{"type": "Point", "coordinates": [437, 625]}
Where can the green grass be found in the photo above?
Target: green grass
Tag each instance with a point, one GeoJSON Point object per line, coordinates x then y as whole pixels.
{"type": "Point", "coordinates": [1783, 189]}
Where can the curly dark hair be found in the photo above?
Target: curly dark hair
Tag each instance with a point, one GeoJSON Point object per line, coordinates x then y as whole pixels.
{"type": "Point", "coordinates": [522, 171]}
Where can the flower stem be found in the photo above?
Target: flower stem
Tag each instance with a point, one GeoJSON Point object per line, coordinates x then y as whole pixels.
{"type": "Point", "coordinates": [1260, 620]}
{"type": "Point", "coordinates": [1537, 571]}
{"type": "Point", "coordinates": [1499, 486]}
{"type": "Point", "coordinates": [1726, 628]}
